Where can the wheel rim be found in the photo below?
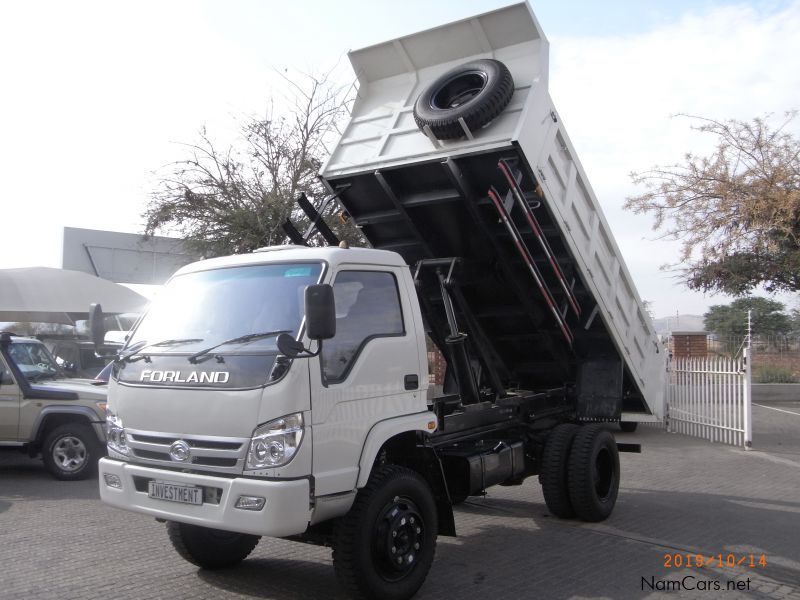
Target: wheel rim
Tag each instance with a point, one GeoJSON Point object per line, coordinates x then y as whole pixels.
{"type": "Point", "coordinates": [603, 474]}
{"type": "Point", "coordinates": [458, 90]}
{"type": "Point", "coordinates": [398, 538]}
{"type": "Point", "coordinates": [69, 453]}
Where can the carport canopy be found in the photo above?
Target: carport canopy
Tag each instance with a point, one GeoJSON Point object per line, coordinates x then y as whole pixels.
{"type": "Point", "coordinates": [47, 295]}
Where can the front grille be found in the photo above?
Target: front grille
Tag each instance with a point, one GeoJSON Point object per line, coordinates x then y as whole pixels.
{"type": "Point", "coordinates": [194, 443]}
{"type": "Point", "coordinates": [207, 453]}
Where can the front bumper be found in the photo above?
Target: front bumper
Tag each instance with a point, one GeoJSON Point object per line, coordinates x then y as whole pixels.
{"type": "Point", "coordinates": [286, 511]}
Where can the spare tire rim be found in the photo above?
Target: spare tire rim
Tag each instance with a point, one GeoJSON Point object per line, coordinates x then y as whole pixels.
{"type": "Point", "coordinates": [398, 538]}
{"type": "Point", "coordinates": [458, 90]}
{"type": "Point", "coordinates": [603, 474]}
{"type": "Point", "coordinates": [69, 453]}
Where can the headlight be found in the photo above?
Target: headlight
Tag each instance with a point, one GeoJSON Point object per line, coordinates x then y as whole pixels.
{"type": "Point", "coordinates": [275, 443]}
{"type": "Point", "coordinates": [115, 434]}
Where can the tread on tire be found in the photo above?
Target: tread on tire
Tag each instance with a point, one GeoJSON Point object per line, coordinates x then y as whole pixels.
{"type": "Point", "coordinates": [555, 468]}
{"type": "Point", "coordinates": [593, 473]}
{"type": "Point", "coordinates": [210, 548]}
{"type": "Point", "coordinates": [458, 94]}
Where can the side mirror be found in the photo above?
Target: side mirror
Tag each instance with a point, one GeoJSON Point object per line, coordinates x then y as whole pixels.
{"type": "Point", "coordinates": [97, 328]}
{"type": "Point", "coordinates": [320, 312]}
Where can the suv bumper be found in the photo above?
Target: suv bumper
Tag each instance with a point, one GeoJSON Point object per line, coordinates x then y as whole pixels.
{"type": "Point", "coordinates": [285, 512]}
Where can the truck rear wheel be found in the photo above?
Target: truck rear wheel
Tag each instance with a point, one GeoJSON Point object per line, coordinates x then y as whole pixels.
{"type": "Point", "coordinates": [71, 451]}
{"type": "Point", "coordinates": [593, 473]}
{"type": "Point", "coordinates": [384, 546]}
{"type": "Point", "coordinates": [555, 470]}
{"type": "Point", "coordinates": [210, 548]}
{"type": "Point", "coordinates": [628, 426]}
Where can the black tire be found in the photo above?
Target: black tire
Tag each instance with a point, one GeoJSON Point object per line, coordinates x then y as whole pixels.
{"type": "Point", "coordinates": [70, 452]}
{"type": "Point", "coordinates": [210, 548]}
{"type": "Point", "coordinates": [394, 511]}
{"type": "Point", "coordinates": [477, 92]}
{"type": "Point", "coordinates": [593, 473]}
{"type": "Point", "coordinates": [555, 469]}
{"type": "Point", "coordinates": [628, 426]}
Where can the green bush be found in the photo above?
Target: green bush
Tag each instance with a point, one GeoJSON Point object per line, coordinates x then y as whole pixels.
{"type": "Point", "coordinates": [773, 374]}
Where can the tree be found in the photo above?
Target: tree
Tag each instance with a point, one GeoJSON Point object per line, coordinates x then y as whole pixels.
{"type": "Point", "coordinates": [767, 317]}
{"type": "Point", "coordinates": [235, 200]}
{"type": "Point", "coordinates": [736, 212]}
{"type": "Point", "coordinates": [794, 317]}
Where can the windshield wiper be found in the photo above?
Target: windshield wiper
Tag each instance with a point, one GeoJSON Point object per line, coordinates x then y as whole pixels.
{"type": "Point", "coordinates": [250, 337]}
{"type": "Point", "coordinates": [129, 356]}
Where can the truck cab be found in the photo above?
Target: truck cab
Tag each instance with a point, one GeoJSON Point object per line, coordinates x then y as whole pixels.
{"type": "Point", "coordinates": [187, 405]}
{"type": "Point", "coordinates": [44, 412]}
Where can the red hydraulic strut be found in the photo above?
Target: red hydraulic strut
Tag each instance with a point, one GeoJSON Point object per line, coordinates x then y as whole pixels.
{"type": "Point", "coordinates": [526, 256]}
{"type": "Point", "coordinates": [516, 191]}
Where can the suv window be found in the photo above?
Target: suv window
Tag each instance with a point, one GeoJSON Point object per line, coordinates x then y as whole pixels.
{"type": "Point", "coordinates": [66, 353]}
{"type": "Point", "coordinates": [367, 306]}
{"type": "Point", "coordinates": [5, 374]}
{"type": "Point", "coordinates": [90, 360]}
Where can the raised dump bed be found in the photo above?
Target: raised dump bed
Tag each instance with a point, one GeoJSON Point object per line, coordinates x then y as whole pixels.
{"type": "Point", "coordinates": [537, 281]}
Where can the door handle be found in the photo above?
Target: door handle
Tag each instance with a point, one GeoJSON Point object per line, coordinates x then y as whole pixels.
{"type": "Point", "coordinates": [411, 382]}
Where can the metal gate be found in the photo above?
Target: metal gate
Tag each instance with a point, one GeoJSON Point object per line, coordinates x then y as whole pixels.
{"type": "Point", "coordinates": [710, 398]}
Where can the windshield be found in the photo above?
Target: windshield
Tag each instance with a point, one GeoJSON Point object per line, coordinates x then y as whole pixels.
{"type": "Point", "coordinates": [198, 310]}
{"type": "Point", "coordinates": [33, 360]}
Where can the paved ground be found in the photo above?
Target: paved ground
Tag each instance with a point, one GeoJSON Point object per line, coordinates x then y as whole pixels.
{"type": "Point", "coordinates": [681, 496]}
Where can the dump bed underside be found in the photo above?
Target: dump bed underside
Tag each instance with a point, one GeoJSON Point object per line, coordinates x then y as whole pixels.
{"type": "Point", "coordinates": [530, 325]}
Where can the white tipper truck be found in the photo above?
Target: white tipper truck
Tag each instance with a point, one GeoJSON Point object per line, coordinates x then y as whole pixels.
{"type": "Point", "coordinates": [286, 392]}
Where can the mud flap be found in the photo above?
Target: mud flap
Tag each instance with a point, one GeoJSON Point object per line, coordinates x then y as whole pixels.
{"type": "Point", "coordinates": [599, 390]}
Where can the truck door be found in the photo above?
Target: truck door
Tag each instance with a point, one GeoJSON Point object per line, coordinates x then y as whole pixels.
{"type": "Point", "coordinates": [9, 404]}
{"type": "Point", "coordinates": [369, 371]}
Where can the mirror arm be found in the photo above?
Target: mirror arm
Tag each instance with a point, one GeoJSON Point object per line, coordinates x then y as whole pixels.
{"type": "Point", "coordinates": [309, 353]}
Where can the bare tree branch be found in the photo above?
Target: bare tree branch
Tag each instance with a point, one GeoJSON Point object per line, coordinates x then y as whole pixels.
{"type": "Point", "coordinates": [233, 200]}
{"type": "Point", "coordinates": [736, 212]}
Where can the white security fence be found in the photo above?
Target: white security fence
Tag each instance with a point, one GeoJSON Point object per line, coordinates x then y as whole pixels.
{"type": "Point", "coordinates": [710, 398]}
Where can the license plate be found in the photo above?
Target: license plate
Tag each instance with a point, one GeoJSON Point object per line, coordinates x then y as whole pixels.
{"type": "Point", "coordinates": [172, 492]}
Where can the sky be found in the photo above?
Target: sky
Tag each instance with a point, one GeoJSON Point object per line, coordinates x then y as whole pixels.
{"type": "Point", "coordinates": [96, 97]}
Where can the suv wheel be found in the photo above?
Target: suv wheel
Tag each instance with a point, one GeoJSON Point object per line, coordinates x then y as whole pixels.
{"type": "Point", "coordinates": [71, 452]}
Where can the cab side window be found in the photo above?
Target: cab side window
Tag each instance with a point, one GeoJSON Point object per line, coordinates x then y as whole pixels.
{"type": "Point", "coordinates": [367, 306]}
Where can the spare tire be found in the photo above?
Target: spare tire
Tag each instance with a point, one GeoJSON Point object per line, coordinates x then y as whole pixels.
{"type": "Point", "coordinates": [477, 92]}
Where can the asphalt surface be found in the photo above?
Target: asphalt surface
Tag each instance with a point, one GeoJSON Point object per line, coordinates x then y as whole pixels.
{"type": "Point", "coordinates": [681, 496]}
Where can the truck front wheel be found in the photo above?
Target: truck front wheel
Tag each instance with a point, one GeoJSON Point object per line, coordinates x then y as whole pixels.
{"type": "Point", "coordinates": [210, 548]}
{"type": "Point", "coordinates": [384, 546]}
{"type": "Point", "coordinates": [593, 473]}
